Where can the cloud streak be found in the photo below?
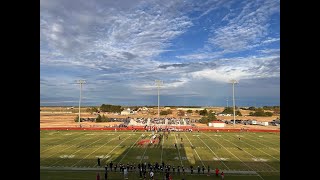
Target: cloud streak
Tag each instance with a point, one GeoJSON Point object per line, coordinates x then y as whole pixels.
{"type": "Point", "coordinates": [121, 47]}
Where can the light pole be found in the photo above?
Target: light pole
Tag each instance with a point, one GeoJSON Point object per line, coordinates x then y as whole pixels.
{"type": "Point", "coordinates": [234, 106]}
{"type": "Point", "coordinates": [158, 83]}
{"type": "Point", "coordinates": [80, 82]}
{"type": "Point", "coordinates": [227, 103]}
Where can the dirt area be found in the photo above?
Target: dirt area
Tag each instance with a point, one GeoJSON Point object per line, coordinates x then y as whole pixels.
{"type": "Point", "coordinates": [268, 119]}
{"type": "Point", "coordinates": [67, 120]}
{"type": "Point", "coordinates": [64, 117]}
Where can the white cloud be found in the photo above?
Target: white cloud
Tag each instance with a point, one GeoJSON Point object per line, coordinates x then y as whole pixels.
{"type": "Point", "coordinates": [245, 30]}
{"type": "Point", "coordinates": [115, 44]}
{"type": "Point", "coordinates": [239, 69]}
{"type": "Point", "coordinates": [119, 33]}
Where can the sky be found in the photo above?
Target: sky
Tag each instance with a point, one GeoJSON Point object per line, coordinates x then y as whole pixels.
{"type": "Point", "coordinates": [196, 47]}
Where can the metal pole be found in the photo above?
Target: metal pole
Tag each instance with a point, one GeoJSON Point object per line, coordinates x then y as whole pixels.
{"type": "Point", "coordinates": [80, 82]}
{"type": "Point", "coordinates": [158, 83]}
{"type": "Point", "coordinates": [80, 100]}
{"type": "Point", "coordinates": [158, 102]}
{"type": "Point", "coordinates": [234, 107]}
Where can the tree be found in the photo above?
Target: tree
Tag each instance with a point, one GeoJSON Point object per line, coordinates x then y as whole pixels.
{"type": "Point", "coordinates": [252, 108]}
{"type": "Point", "coordinates": [229, 110]}
{"type": "Point", "coordinates": [208, 118]}
{"type": "Point", "coordinates": [181, 113]}
{"type": "Point", "coordinates": [169, 111]}
{"type": "Point", "coordinates": [76, 119]}
{"type": "Point", "coordinates": [260, 112]}
{"type": "Point", "coordinates": [204, 120]}
{"type": "Point", "coordinates": [99, 118]}
{"type": "Point", "coordinates": [203, 112]}
{"type": "Point", "coordinates": [92, 110]}
{"type": "Point", "coordinates": [212, 117]}
{"type": "Point", "coordinates": [189, 111]}
{"type": "Point", "coordinates": [269, 114]}
{"type": "Point", "coordinates": [105, 119]}
{"type": "Point", "coordinates": [110, 108]}
{"type": "Point", "coordinates": [164, 113]}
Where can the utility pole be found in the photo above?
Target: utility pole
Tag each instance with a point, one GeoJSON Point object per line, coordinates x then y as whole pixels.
{"type": "Point", "coordinates": [80, 82]}
{"type": "Point", "coordinates": [158, 83]}
{"type": "Point", "coordinates": [234, 106]}
{"type": "Point", "coordinates": [227, 103]}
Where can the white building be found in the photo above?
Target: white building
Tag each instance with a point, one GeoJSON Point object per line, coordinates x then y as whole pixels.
{"type": "Point", "coordinates": [217, 124]}
{"type": "Point", "coordinates": [264, 123]}
{"type": "Point", "coordinates": [127, 112]}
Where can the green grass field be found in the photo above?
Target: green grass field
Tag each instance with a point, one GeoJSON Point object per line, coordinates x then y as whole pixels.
{"type": "Point", "coordinates": [73, 154]}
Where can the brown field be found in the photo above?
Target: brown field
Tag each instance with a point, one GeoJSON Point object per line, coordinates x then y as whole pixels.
{"type": "Point", "coordinates": [63, 117]}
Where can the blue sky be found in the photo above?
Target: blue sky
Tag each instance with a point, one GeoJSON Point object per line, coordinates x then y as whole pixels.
{"type": "Point", "coordinates": [195, 46]}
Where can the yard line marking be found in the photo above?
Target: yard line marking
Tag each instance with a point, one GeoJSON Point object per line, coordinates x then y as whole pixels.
{"type": "Point", "coordinates": [214, 153]}
{"type": "Point", "coordinates": [129, 149]}
{"type": "Point", "coordinates": [178, 148]}
{"type": "Point", "coordinates": [54, 139]}
{"type": "Point", "coordinates": [249, 153]}
{"type": "Point", "coordinates": [78, 150]}
{"type": "Point", "coordinates": [194, 149]}
{"type": "Point", "coordinates": [234, 155]}
{"type": "Point", "coordinates": [228, 151]}
{"type": "Point", "coordinates": [262, 144]}
{"type": "Point", "coordinates": [161, 147]}
{"type": "Point", "coordinates": [65, 148]}
{"type": "Point", "coordinates": [60, 144]}
{"type": "Point", "coordinates": [260, 150]}
{"type": "Point", "coordinates": [113, 150]}
{"type": "Point", "coordinates": [145, 153]}
{"type": "Point", "coordinates": [264, 140]}
{"type": "Point", "coordinates": [93, 151]}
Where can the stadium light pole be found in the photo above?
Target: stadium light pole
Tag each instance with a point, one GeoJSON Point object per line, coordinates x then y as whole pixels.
{"type": "Point", "coordinates": [80, 82]}
{"type": "Point", "coordinates": [234, 106]}
{"type": "Point", "coordinates": [227, 103]}
{"type": "Point", "coordinates": [158, 83]}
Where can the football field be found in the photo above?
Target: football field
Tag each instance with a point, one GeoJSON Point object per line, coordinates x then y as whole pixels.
{"type": "Point", "coordinates": [241, 155]}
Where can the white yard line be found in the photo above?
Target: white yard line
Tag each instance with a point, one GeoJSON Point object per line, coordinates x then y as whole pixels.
{"type": "Point", "coordinates": [113, 150]}
{"type": "Point", "coordinates": [234, 155]}
{"type": "Point", "coordinates": [249, 154]}
{"type": "Point", "coordinates": [54, 139]}
{"type": "Point", "coordinates": [129, 149]}
{"type": "Point", "coordinates": [93, 151]}
{"type": "Point", "coordinates": [60, 144]}
{"type": "Point", "coordinates": [161, 148]}
{"type": "Point", "coordinates": [178, 149]}
{"type": "Point", "coordinates": [229, 151]}
{"type": "Point", "coordinates": [194, 149]}
{"type": "Point", "coordinates": [65, 149]}
{"type": "Point", "coordinates": [261, 144]}
{"type": "Point", "coordinates": [145, 153]}
{"type": "Point", "coordinates": [78, 150]}
{"type": "Point", "coordinates": [262, 140]}
{"type": "Point", "coordinates": [260, 150]}
{"type": "Point", "coordinates": [213, 153]}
